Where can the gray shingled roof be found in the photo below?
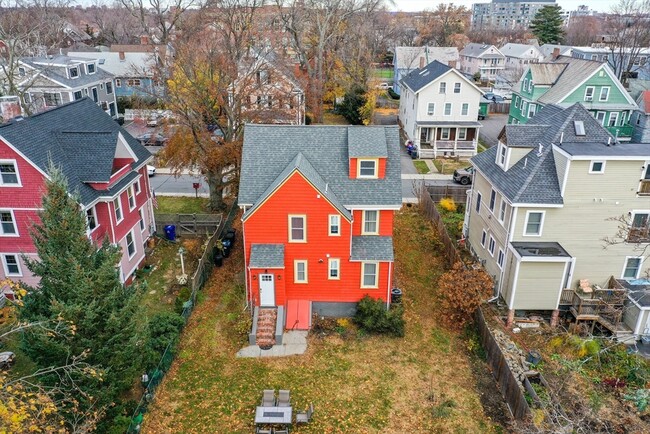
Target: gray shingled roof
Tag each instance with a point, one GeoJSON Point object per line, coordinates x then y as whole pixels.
{"type": "Point", "coordinates": [546, 74]}
{"type": "Point", "coordinates": [366, 143]}
{"type": "Point", "coordinates": [133, 65]}
{"type": "Point", "coordinates": [49, 68]}
{"type": "Point", "coordinates": [268, 151]}
{"type": "Point", "coordinates": [267, 256]}
{"type": "Point", "coordinates": [533, 179]}
{"type": "Point", "coordinates": [576, 72]}
{"type": "Point", "coordinates": [409, 57]}
{"type": "Point", "coordinates": [419, 78]}
{"type": "Point", "coordinates": [522, 135]}
{"type": "Point", "coordinates": [302, 165]}
{"type": "Point", "coordinates": [80, 138]}
{"type": "Point", "coordinates": [475, 50]}
{"type": "Point", "coordinates": [372, 248]}
{"type": "Point", "coordinates": [520, 50]}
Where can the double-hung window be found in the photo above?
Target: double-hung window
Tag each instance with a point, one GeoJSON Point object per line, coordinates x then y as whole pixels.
{"type": "Point", "coordinates": [443, 87]}
{"type": "Point", "coordinates": [589, 93]}
{"type": "Point", "coordinates": [632, 267]}
{"type": "Point", "coordinates": [604, 93]}
{"type": "Point", "coordinates": [369, 274]}
{"type": "Point", "coordinates": [91, 219]}
{"type": "Point", "coordinates": [370, 222]}
{"type": "Point", "coordinates": [534, 222]}
{"type": "Point", "coordinates": [491, 245]}
{"type": "Point", "coordinates": [297, 228]}
{"type": "Point", "coordinates": [142, 225]}
{"type": "Point", "coordinates": [117, 205]}
{"type": "Point", "coordinates": [464, 109]}
{"type": "Point", "coordinates": [9, 174]}
{"type": "Point", "coordinates": [334, 225]}
{"type": "Point", "coordinates": [431, 108]}
{"type": "Point", "coordinates": [483, 238]}
{"type": "Point", "coordinates": [300, 271]}
{"type": "Point", "coordinates": [130, 244]}
{"type": "Point", "coordinates": [502, 211]}
{"type": "Point", "coordinates": [447, 109]}
{"type": "Point", "coordinates": [457, 87]}
{"type": "Point", "coordinates": [334, 269]}
{"type": "Point", "coordinates": [11, 265]}
{"type": "Point", "coordinates": [131, 196]}
{"type": "Point", "coordinates": [500, 258]}
{"type": "Point", "coordinates": [493, 200]}
{"type": "Point", "coordinates": [136, 187]}
{"type": "Point", "coordinates": [367, 169]}
{"type": "Point", "coordinates": [8, 223]}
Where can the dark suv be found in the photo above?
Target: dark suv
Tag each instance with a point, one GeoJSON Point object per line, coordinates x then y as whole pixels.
{"type": "Point", "coordinates": [464, 176]}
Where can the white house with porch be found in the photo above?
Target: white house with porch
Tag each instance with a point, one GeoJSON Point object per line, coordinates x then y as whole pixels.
{"type": "Point", "coordinates": [439, 111]}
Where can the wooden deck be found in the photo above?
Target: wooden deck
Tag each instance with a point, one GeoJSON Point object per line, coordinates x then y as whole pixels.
{"type": "Point", "coordinates": [601, 306]}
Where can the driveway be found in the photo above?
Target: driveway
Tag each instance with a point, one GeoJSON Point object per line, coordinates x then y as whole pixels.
{"type": "Point", "coordinates": [491, 128]}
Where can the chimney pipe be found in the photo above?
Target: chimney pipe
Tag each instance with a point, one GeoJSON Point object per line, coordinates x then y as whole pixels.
{"type": "Point", "coordinates": [122, 56]}
{"type": "Point", "coordinates": [556, 52]}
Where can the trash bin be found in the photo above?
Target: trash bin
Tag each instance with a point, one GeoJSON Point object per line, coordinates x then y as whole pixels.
{"type": "Point", "coordinates": [396, 295]}
{"type": "Point", "coordinates": [230, 237]}
{"type": "Point", "coordinates": [227, 247]}
{"type": "Point", "coordinates": [170, 232]}
{"type": "Point", "coordinates": [534, 357]}
{"type": "Point", "coordinates": [218, 259]}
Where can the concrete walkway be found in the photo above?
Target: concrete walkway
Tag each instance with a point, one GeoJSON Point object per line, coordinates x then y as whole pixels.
{"type": "Point", "coordinates": [293, 343]}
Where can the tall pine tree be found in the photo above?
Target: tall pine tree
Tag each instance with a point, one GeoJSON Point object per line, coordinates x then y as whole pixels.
{"type": "Point", "coordinates": [79, 284]}
{"type": "Point", "coordinates": [548, 25]}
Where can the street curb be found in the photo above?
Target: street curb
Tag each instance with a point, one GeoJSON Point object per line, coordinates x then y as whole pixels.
{"type": "Point", "coordinates": [167, 171]}
{"type": "Point", "coordinates": [428, 176]}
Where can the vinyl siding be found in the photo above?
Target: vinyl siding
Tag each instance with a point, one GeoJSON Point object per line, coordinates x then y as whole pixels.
{"type": "Point", "coordinates": [538, 285]}
{"type": "Point", "coordinates": [630, 315]}
{"type": "Point", "coordinates": [615, 95]}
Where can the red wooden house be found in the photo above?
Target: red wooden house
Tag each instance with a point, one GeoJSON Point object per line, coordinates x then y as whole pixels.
{"type": "Point", "coordinates": [318, 207]}
{"type": "Point", "coordinates": [104, 166]}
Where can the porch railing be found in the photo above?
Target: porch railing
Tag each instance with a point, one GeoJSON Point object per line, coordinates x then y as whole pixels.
{"type": "Point", "coordinates": [621, 130]}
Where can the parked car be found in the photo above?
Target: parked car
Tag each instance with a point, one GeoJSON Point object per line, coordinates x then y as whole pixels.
{"type": "Point", "coordinates": [152, 139]}
{"type": "Point", "coordinates": [494, 97]}
{"type": "Point", "coordinates": [384, 86]}
{"type": "Point", "coordinates": [7, 358]}
{"type": "Point", "coordinates": [151, 170]}
{"type": "Point", "coordinates": [154, 120]}
{"type": "Point", "coordinates": [464, 176]}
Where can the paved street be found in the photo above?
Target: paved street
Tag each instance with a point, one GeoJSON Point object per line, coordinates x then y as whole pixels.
{"type": "Point", "coordinates": [492, 127]}
{"type": "Point", "coordinates": [168, 185]}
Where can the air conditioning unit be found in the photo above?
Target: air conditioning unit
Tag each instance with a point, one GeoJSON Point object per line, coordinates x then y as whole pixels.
{"type": "Point", "coordinates": [589, 98]}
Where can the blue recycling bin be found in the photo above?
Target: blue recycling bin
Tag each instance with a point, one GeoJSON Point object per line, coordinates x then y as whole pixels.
{"type": "Point", "coordinates": [170, 232]}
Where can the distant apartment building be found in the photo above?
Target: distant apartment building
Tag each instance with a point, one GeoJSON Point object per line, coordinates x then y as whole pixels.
{"type": "Point", "coordinates": [506, 14]}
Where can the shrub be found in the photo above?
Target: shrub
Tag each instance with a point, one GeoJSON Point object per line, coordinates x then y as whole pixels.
{"type": "Point", "coordinates": [462, 290]}
{"type": "Point", "coordinates": [448, 204]}
{"type": "Point", "coordinates": [321, 325]}
{"type": "Point", "coordinates": [164, 329]}
{"type": "Point", "coordinates": [182, 297]}
{"type": "Point", "coordinates": [373, 317]}
{"type": "Point", "coordinates": [392, 93]}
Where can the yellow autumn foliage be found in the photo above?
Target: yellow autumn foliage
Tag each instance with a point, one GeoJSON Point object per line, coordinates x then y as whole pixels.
{"type": "Point", "coordinates": [448, 204]}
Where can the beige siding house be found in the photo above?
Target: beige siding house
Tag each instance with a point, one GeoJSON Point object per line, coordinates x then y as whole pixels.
{"type": "Point", "coordinates": [543, 201]}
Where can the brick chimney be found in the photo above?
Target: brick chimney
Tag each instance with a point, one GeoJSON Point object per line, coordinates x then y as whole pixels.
{"type": "Point", "coordinates": [556, 52]}
{"type": "Point", "coordinates": [421, 62]}
{"type": "Point", "coordinates": [122, 56]}
{"type": "Point", "coordinates": [144, 40]}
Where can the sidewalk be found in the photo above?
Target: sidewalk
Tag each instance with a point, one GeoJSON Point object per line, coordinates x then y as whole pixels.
{"type": "Point", "coordinates": [168, 171]}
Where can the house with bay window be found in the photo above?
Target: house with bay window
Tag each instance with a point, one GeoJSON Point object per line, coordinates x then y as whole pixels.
{"type": "Point", "coordinates": [544, 200]}
{"type": "Point", "coordinates": [567, 80]}
{"type": "Point", "coordinates": [48, 82]}
{"type": "Point", "coordinates": [438, 110]}
{"type": "Point", "coordinates": [318, 205]}
{"type": "Point", "coordinates": [105, 167]}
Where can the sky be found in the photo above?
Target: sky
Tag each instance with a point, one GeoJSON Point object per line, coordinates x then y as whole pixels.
{"type": "Point", "coordinates": [418, 5]}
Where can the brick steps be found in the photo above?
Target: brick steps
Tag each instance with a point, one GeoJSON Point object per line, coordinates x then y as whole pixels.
{"type": "Point", "coordinates": [265, 337]}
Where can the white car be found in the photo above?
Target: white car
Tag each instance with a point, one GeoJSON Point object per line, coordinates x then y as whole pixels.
{"type": "Point", "coordinates": [384, 86]}
{"type": "Point", "coordinates": [151, 171]}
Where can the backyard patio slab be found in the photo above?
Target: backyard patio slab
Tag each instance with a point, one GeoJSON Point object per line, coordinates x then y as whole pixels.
{"type": "Point", "coordinates": [293, 343]}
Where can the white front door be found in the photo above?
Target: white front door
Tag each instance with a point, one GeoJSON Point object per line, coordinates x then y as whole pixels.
{"type": "Point", "coordinates": [267, 290]}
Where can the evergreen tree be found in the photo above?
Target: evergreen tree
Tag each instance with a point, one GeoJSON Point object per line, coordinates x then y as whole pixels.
{"type": "Point", "coordinates": [353, 101]}
{"type": "Point", "coordinates": [548, 24]}
{"type": "Point", "coordinates": [79, 284]}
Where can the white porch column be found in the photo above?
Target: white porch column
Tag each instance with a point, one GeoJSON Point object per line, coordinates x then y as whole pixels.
{"type": "Point", "coordinates": [435, 146]}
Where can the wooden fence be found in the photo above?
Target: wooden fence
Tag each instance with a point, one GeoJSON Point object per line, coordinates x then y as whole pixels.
{"type": "Point", "coordinates": [509, 384]}
{"type": "Point", "coordinates": [499, 107]}
{"type": "Point", "coordinates": [428, 207]}
{"type": "Point", "coordinates": [456, 192]}
{"type": "Point", "coordinates": [189, 224]}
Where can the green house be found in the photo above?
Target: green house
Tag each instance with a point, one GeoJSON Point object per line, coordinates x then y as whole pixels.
{"type": "Point", "coordinates": [568, 80]}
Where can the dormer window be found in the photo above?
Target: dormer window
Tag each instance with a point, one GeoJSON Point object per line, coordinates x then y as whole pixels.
{"type": "Point", "coordinates": [90, 68]}
{"type": "Point", "coordinates": [21, 71]}
{"type": "Point", "coordinates": [501, 156]}
{"type": "Point", "coordinates": [367, 168]}
{"type": "Point", "coordinates": [74, 72]}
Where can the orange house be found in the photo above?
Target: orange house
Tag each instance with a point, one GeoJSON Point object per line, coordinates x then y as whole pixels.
{"type": "Point", "coordinates": [318, 206]}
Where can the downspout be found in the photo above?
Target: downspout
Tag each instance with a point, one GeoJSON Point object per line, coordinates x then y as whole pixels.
{"type": "Point", "coordinates": [249, 297]}
{"type": "Point", "coordinates": [390, 273]}
{"type": "Point", "coordinates": [506, 253]}
{"type": "Point", "coordinates": [111, 214]}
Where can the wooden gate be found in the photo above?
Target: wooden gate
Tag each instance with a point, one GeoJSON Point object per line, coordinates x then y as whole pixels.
{"type": "Point", "coordinates": [189, 224]}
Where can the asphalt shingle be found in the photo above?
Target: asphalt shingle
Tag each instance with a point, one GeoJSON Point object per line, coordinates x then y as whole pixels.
{"type": "Point", "coordinates": [419, 78]}
{"type": "Point", "coordinates": [372, 248]}
{"type": "Point", "coordinates": [267, 256]}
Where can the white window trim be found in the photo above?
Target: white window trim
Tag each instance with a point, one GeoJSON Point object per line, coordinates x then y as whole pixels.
{"type": "Point", "coordinates": [464, 130]}
{"type": "Point", "coordinates": [131, 191]}
{"type": "Point", "coordinates": [5, 266]}
{"type": "Point", "coordinates": [363, 222]}
{"type": "Point", "coordinates": [615, 116]}
{"type": "Point", "coordinates": [501, 255]}
{"type": "Point", "coordinates": [88, 71]}
{"type": "Point", "coordinates": [638, 272]}
{"type": "Point", "coordinates": [363, 266]}
{"type": "Point", "coordinates": [451, 109]}
{"type": "Point", "coordinates": [493, 203]}
{"type": "Point", "coordinates": [483, 238]}
{"type": "Point", "coordinates": [431, 109]}
{"type": "Point", "coordinates": [15, 163]}
{"type": "Point", "coordinates": [376, 174]}
{"type": "Point", "coordinates": [593, 92]}
{"type": "Point", "coordinates": [442, 88]}
{"type": "Point", "coordinates": [503, 208]}
{"type": "Point", "coordinates": [144, 224]}
{"type": "Point", "coordinates": [115, 208]}
{"type": "Point", "coordinates": [458, 86]}
{"type": "Point", "coordinates": [13, 220]}
{"type": "Point", "coordinates": [464, 109]}
{"type": "Point", "coordinates": [94, 212]}
{"type": "Point", "coordinates": [330, 262]}
{"type": "Point", "coordinates": [502, 152]}
{"type": "Point", "coordinates": [541, 223]}
{"type": "Point", "coordinates": [591, 167]}
{"type": "Point", "coordinates": [602, 121]}
{"type": "Point", "coordinates": [492, 246]}
{"type": "Point", "coordinates": [444, 136]}
{"type": "Point", "coordinates": [304, 226]}
{"type": "Point", "coordinates": [479, 202]}
{"type": "Point", "coordinates": [126, 243]}
{"type": "Point", "coordinates": [70, 72]}
{"type": "Point", "coordinates": [138, 188]}
{"type": "Point", "coordinates": [329, 225]}
{"type": "Point", "coordinates": [295, 271]}
{"type": "Point", "coordinates": [600, 96]}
